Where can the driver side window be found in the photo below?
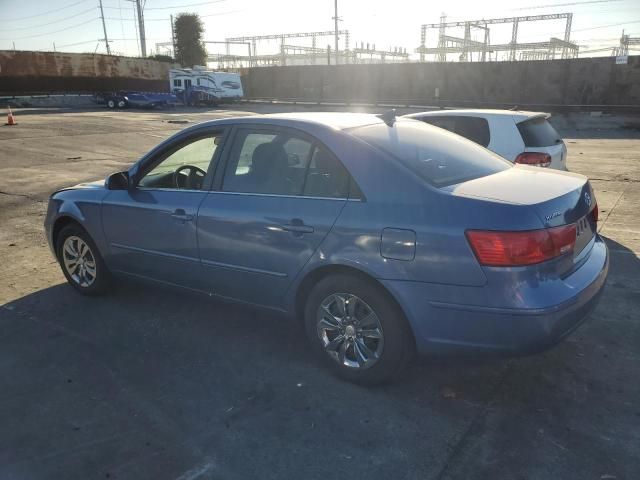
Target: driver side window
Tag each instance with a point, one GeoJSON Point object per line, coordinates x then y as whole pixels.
{"type": "Point", "coordinates": [186, 167]}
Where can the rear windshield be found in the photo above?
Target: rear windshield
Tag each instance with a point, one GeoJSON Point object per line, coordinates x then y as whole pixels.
{"type": "Point", "coordinates": [439, 157]}
{"type": "Point", "coordinates": [538, 132]}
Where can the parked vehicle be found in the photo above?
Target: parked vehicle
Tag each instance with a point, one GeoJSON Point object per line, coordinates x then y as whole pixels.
{"type": "Point", "coordinates": [520, 137]}
{"type": "Point", "coordinates": [384, 236]}
{"type": "Point", "coordinates": [196, 86]}
{"type": "Point", "coordinates": [138, 100]}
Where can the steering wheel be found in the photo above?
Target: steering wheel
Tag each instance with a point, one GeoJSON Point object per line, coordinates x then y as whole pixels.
{"type": "Point", "coordinates": [195, 176]}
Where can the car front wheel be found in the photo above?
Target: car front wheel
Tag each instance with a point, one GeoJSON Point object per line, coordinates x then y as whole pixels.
{"type": "Point", "coordinates": [81, 261]}
{"type": "Point", "coordinates": [357, 329]}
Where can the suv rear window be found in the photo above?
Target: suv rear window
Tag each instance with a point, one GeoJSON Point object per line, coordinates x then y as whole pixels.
{"type": "Point", "coordinates": [437, 156]}
{"type": "Point", "coordinates": [474, 128]}
{"type": "Point", "coordinates": [538, 132]}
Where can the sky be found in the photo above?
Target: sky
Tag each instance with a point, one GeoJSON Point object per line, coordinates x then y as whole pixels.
{"type": "Point", "coordinates": [75, 25]}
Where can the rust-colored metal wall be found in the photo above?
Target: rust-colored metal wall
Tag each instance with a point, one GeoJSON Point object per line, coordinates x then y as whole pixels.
{"type": "Point", "coordinates": [48, 72]}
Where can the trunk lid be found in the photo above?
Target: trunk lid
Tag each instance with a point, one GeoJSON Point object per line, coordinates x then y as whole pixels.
{"type": "Point", "coordinates": [558, 198]}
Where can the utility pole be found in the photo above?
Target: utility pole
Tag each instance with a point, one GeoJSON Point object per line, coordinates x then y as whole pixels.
{"type": "Point", "coordinates": [335, 54]}
{"type": "Point", "coordinates": [143, 40]}
{"type": "Point", "coordinates": [173, 37]}
{"type": "Point", "coordinates": [104, 27]}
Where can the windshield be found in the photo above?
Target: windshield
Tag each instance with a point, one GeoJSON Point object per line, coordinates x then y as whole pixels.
{"type": "Point", "coordinates": [439, 157]}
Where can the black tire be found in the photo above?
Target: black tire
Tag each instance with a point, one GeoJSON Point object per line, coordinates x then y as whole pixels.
{"type": "Point", "coordinates": [398, 342]}
{"type": "Point", "coordinates": [101, 280]}
{"type": "Point", "coordinates": [111, 103]}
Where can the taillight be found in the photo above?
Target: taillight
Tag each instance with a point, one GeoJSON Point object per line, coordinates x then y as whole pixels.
{"type": "Point", "coordinates": [537, 159]}
{"type": "Point", "coordinates": [595, 213]}
{"type": "Point", "coordinates": [510, 249]}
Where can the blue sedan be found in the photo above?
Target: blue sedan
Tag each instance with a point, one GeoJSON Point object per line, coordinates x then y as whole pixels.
{"type": "Point", "coordinates": [384, 236]}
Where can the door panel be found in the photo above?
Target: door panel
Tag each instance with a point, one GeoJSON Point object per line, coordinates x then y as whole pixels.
{"type": "Point", "coordinates": [152, 233]}
{"type": "Point", "coordinates": [270, 214]}
{"type": "Point", "coordinates": [151, 229]}
{"type": "Point", "coordinates": [252, 246]}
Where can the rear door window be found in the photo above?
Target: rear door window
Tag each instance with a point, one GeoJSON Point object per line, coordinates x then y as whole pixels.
{"type": "Point", "coordinates": [474, 128]}
{"type": "Point", "coordinates": [435, 155]}
{"type": "Point", "coordinates": [538, 132]}
{"type": "Point", "coordinates": [267, 162]}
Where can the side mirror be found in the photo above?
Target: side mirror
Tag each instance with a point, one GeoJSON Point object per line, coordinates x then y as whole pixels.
{"type": "Point", "coordinates": [118, 181]}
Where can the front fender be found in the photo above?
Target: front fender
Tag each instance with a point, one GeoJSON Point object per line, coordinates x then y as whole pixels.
{"type": "Point", "coordinates": [83, 206]}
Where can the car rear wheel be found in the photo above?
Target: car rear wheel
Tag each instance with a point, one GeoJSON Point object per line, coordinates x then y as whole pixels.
{"type": "Point", "coordinates": [81, 261]}
{"type": "Point", "coordinates": [357, 329]}
{"type": "Point", "coordinates": [111, 103]}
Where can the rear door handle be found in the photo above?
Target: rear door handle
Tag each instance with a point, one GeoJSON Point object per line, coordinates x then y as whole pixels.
{"type": "Point", "coordinates": [297, 226]}
{"type": "Point", "coordinates": [180, 214]}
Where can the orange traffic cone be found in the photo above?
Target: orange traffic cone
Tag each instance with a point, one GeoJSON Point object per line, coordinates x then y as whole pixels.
{"type": "Point", "coordinates": [10, 119]}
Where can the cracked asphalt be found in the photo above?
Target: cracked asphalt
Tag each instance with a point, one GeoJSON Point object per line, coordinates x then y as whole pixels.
{"type": "Point", "coordinates": [149, 383]}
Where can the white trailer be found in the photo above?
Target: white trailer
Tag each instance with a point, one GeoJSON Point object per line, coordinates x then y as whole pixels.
{"type": "Point", "coordinates": [199, 85]}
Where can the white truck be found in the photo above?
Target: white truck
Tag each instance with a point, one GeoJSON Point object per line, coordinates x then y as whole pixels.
{"type": "Point", "coordinates": [195, 86]}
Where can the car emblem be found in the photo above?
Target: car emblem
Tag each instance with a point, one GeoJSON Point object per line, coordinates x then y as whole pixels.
{"type": "Point", "coordinates": [552, 216]}
{"type": "Point", "coordinates": [587, 199]}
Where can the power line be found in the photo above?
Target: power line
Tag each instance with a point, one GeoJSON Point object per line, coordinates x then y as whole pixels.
{"type": "Point", "coordinates": [44, 13]}
{"type": "Point", "coordinates": [92, 9]}
{"type": "Point", "coordinates": [48, 33]}
{"type": "Point", "coordinates": [605, 26]}
{"type": "Point", "coordinates": [551, 5]}
{"type": "Point", "coordinates": [186, 5]}
{"type": "Point", "coordinates": [199, 4]}
{"type": "Point", "coordinates": [598, 26]}
{"type": "Point", "coordinates": [77, 43]}
{"type": "Point", "coordinates": [164, 19]}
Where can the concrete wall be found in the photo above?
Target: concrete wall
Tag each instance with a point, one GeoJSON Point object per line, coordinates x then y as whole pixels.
{"type": "Point", "coordinates": [46, 72]}
{"type": "Point", "coordinates": [589, 81]}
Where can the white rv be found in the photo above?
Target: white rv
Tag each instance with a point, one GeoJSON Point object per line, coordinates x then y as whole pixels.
{"type": "Point", "coordinates": [199, 85]}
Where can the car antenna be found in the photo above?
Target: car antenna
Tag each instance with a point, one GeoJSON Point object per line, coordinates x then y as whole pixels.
{"type": "Point", "coordinates": [515, 107]}
{"type": "Point", "coordinates": [388, 117]}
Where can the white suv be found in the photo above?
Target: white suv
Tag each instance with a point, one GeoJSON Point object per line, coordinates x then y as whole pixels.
{"type": "Point", "coordinates": [518, 136]}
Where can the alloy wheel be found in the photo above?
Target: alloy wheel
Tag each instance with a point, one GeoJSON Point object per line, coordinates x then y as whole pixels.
{"type": "Point", "coordinates": [350, 331]}
{"type": "Point", "coordinates": [79, 261]}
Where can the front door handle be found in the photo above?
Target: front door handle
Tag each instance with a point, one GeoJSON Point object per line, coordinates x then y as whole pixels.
{"type": "Point", "coordinates": [297, 226]}
{"type": "Point", "coordinates": [180, 214]}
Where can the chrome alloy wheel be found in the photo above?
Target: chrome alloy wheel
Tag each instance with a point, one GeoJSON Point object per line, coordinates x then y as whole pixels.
{"type": "Point", "coordinates": [79, 261]}
{"type": "Point", "coordinates": [350, 331]}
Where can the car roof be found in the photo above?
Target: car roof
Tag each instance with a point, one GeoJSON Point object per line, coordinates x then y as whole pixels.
{"type": "Point", "coordinates": [333, 120]}
{"type": "Point", "coordinates": [517, 115]}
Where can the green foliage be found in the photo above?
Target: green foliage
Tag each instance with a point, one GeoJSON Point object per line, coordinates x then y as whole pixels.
{"type": "Point", "coordinates": [188, 30]}
{"type": "Point", "coordinates": [162, 58]}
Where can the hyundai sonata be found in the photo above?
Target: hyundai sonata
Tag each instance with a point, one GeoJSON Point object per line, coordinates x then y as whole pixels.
{"type": "Point", "coordinates": [384, 236]}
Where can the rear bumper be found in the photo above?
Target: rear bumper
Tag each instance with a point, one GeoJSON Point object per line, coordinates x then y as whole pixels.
{"type": "Point", "coordinates": [442, 326]}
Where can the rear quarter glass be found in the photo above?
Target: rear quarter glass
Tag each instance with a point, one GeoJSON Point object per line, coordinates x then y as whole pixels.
{"type": "Point", "coordinates": [475, 129]}
{"type": "Point", "coordinates": [538, 132]}
{"type": "Point", "coordinates": [439, 157]}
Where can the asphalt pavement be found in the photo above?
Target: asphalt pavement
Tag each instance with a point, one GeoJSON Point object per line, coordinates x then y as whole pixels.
{"type": "Point", "coordinates": [151, 383]}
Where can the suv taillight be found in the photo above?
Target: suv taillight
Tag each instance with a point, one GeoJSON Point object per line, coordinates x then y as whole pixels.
{"type": "Point", "coordinates": [595, 213]}
{"type": "Point", "coordinates": [537, 159]}
{"type": "Point", "coordinates": [512, 249]}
